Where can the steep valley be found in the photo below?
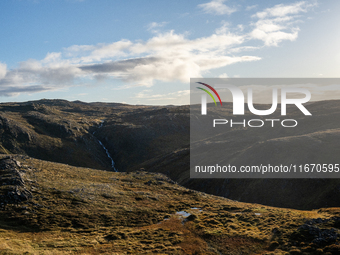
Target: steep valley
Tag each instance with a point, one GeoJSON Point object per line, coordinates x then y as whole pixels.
{"type": "Point", "coordinates": [156, 139]}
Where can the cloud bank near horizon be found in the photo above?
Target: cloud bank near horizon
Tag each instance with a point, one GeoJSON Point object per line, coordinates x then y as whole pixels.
{"type": "Point", "coordinates": [166, 56]}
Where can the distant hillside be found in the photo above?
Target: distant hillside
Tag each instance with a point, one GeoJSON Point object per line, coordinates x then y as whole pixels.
{"type": "Point", "coordinates": [58, 130]}
{"type": "Point", "coordinates": [156, 138]}
{"type": "Point", "coordinates": [315, 140]}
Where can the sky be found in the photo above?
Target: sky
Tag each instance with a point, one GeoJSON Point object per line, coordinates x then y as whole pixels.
{"type": "Point", "coordinates": [145, 52]}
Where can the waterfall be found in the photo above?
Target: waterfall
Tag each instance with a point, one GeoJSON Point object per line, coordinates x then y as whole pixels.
{"type": "Point", "coordinates": [106, 150]}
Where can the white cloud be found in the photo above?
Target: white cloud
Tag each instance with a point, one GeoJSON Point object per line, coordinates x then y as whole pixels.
{"type": "Point", "coordinates": [272, 38]}
{"type": "Point", "coordinates": [52, 57]}
{"type": "Point", "coordinates": [217, 7]}
{"type": "Point", "coordinates": [154, 26]}
{"type": "Point", "coordinates": [105, 51]}
{"type": "Point", "coordinates": [35, 76]}
{"type": "Point", "coordinates": [165, 57]}
{"type": "Point", "coordinates": [3, 70]}
{"type": "Point", "coordinates": [250, 7]}
{"type": "Point", "coordinates": [243, 48]}
{"type": "Point", "coordinates": [170, 56]}
{"type": "Point", "coordinates": [30, 65]}
{"type": "Point", "coordinates": [223, 29]}
{"type": "Point", "coordinates": [74, 50]}
{"type": "Point", "coordinates": [278, 23]}
{"type": "Point", "coordinates": [53, 73]}
{"type": "Point", "coordinates": [240, 27]}
{"type": "Point", "coordinates": [282, 10]}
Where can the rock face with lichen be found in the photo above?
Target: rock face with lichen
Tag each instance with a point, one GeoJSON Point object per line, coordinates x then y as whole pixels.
{"type": "Point", "coordinates": [12, 186]}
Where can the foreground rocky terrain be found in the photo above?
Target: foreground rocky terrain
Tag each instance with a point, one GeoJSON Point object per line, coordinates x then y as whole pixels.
{"type": "Point", "coordinates": [156, 138]}
{"type": "Point", "coordinates": [53, 208]}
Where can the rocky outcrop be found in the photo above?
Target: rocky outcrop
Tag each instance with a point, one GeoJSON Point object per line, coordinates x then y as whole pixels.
{"type": "Point", "coordinates": [319, 232]}
{"type": "Point", "coordinates": [13, 133]}
{"type": "Point", "coordinates": [12, 185]}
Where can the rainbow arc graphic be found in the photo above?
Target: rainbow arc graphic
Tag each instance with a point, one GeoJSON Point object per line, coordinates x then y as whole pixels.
{"type": "Point", "coordinates": [209, 93]}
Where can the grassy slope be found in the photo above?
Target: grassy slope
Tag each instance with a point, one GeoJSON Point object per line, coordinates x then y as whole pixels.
{"type": "Point", "coordinates": [83, 211]}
